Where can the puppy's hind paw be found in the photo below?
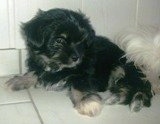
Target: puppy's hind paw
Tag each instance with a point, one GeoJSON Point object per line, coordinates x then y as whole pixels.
{"type": "Point", "coordinates": [137, 102]}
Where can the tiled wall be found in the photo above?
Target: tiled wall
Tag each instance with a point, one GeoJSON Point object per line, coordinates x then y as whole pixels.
{"type": "Point", "coordinates": [107, 17]}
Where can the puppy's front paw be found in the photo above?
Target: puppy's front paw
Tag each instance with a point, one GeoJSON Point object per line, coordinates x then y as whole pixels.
{"type": "Point", "coordinates": [90, 106]}
{"type": "Point", "coordinates": [21, 82]}
{"type": "Point", "coordinates": [16, 83]}
{"type": "Point", "coordinates": [137, 102]}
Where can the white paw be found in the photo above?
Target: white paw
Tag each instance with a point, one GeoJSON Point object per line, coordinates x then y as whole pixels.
{"type": "Point", "coordinates": [89, 106]}
{"type": "Point", "coordinates": [137, 102]}
{"type": "Point", "coordinates": [136, 106]}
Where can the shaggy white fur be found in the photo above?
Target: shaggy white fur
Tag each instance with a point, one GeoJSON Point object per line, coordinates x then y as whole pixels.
{"type": "Point", "coordinates": [142, 45]}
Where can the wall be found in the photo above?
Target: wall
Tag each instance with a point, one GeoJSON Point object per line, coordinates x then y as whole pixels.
{"type": "Point", "coordinates": [107, 17]}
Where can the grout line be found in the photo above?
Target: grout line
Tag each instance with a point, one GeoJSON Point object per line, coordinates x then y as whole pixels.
{"type": "Point", "coordinates": [20, 61]}
{"type": "Point", "coordinates": [9, 76]}
{"type": "Point", "coordinates": [13, 103]}
{"type": "Point", "coordinates": [7, 49]}
{"type": "Point", "coordinates": [36, 109]}
{"type": "Point", "coordinates": [12, 49]}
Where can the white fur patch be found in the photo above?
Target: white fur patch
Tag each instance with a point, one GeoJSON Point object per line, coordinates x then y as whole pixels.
{"type": "Point", "coordinates": [57, 86]}
{"type": "Point", "coordinates": [72, 64]}
{"type": "Point", "coordinates": [136, 104]}
{"type": "Point", "coordinates": [110, 98]}
{"type": "Point", "coordinates": [89, 107]}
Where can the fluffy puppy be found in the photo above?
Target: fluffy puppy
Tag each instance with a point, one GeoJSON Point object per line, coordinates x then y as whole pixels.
{"type": "Point", "coordinates": [142, 45]}
{"type": "Point", "coordinates": [63, 51]}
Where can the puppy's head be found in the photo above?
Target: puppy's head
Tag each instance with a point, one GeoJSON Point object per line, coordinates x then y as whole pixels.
{"type": "Point", "coordinates": [62, 35]}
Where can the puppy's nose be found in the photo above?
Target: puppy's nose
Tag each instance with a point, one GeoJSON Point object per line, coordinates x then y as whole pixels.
{"type": "Point", "coordinates": [75, 57]}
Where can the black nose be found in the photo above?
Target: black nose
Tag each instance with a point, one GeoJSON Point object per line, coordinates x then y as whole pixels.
{"type": "Point", "coordinates": [75, 58]}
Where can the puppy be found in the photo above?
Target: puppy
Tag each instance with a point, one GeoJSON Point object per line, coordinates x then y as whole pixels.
{"type": "Point", "coordinates": [56, 41]}
{"type": "Point", "coordinates": [142, 45]}
{"type": "Point", "coordinates": [64, 52]}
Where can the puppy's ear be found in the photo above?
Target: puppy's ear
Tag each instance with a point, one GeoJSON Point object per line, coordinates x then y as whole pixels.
{"type": "Point", "coordinates": [34, 29]}
{"type": "Point", "coordinates": [91, 38]}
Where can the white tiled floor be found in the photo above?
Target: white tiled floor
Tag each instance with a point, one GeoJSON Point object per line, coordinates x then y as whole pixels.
{"type": "Point", "coordinates": [37, 106]}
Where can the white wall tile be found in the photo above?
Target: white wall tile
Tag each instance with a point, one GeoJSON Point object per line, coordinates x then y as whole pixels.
{"type": "Point", "coordinates": [95, 11]}
{"type": "Point", "coordinates": [9, 63]}
{"type": "Point", "coordinates": [119, 14]}
{"type": "Point", "coordinates": [149, 12]}
{"type": "Point", "coordinates": [4, 27]}
{"type": "Point", "coordinates": [50, 4]}
{"type": "Point", "coordinates": [21, 15]}
{"type": "Point", "coordinates": [11, 23]}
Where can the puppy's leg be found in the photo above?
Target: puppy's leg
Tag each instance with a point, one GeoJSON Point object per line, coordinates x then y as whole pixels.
{"type": "Point", "coordinates": [142, 98]}
{"type": "Point", "coordinates": [89, 104]}
{"type": "Point", "coordinates": [22, 82]}
{"type": "Point", "coordinates": [137, 102]}
{"type": "Point", "coordinates": [112, 98]}
{"type": "Point", "coordinates": [115, 94]}
{"type": "Point", "coordinates": [141, 91]}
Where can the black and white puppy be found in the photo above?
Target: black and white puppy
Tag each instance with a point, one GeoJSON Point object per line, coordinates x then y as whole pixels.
{"type": "Point", "coordinates": [63, 51]}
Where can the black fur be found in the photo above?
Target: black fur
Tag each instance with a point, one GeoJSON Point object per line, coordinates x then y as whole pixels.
{"type": "Point", "coordinates": [62, 45]}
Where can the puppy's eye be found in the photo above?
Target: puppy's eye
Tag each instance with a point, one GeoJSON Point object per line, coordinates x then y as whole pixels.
{"type": "Point", "coordinates": [60, 40]}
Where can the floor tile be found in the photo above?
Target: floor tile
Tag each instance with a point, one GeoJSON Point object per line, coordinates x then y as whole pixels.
{"type": "Point", "coordinates": [8, 97]}
{"type": "Point", "coordinates": [18, 114]}
{"type": "Point", "coordinates": [55, 107]}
